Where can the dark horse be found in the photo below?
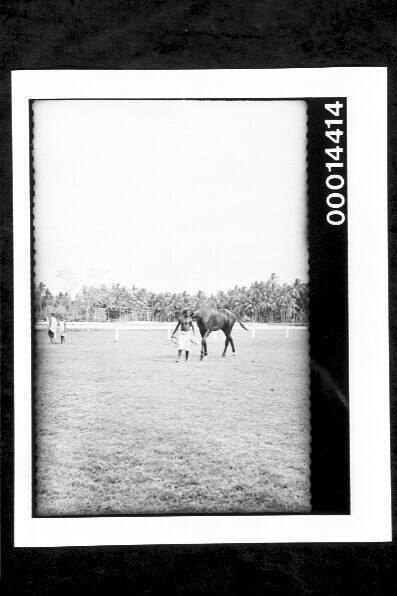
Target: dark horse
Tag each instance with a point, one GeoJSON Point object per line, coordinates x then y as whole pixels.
{"type": "Point", "coordinates": [215, 320]}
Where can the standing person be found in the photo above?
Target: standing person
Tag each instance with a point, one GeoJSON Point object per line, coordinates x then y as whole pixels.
{"type": "Point", "coordinates": [62, 329]}
{"type": "Point", "coordinates": [52, 327]}
{"type": "Point", "coordinates": [185, 322]}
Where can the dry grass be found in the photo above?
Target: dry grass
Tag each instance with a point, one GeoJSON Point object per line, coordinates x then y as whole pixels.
{"type": "Point", "coordinates": [121, 428]}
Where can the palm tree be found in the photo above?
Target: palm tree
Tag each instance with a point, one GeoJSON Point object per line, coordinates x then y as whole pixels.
{"type": "Point", "coordinates": [47, 300]}
{"type": "Point", "coordinates": [40, 295]}
{"type": "Point", "coordinates": [300, 292]}
{"type": "Point", "coordinates": [198, 299]}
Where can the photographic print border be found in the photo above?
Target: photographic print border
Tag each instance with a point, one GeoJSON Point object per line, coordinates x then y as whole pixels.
{"type": "Point", "coordinates": [316, 190]}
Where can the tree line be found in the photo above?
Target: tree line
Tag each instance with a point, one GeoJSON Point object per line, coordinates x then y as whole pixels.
{"type": "Point", "coordinates": [263, 301]}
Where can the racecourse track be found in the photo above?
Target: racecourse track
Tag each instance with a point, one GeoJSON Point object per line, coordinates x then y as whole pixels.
{"type": "Point", "coordinates": [121, 428]}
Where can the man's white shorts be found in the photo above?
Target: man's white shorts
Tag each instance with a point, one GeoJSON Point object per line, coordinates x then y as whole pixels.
{"type": "Point", "coordinates": [184, 340]}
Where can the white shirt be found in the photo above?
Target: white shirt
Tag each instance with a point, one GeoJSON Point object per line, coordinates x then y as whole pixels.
{"type": "Point", "coordinates": [52, 324]}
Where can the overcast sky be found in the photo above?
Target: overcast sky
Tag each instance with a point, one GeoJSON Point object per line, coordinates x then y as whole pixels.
{"type": "Point", "coordinates": [169, 195]}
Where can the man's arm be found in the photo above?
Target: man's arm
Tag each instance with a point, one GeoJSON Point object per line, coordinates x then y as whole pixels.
{"type": "Point", "coordinates": [192, 326]}
{"type": "Point", "coordinates": [176, 329]}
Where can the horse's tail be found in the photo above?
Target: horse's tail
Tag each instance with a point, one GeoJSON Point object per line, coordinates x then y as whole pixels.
{"type": "Point", "coordinates": [239, 320]}
{"type": "Point", "coordinates": [242, 324]}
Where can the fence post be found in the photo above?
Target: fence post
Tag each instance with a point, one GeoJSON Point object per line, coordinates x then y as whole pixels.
{"type": "Point", "coordinates": [168, 333]}
{"type": "Point", "coordinates": [117, 335]}
{"type": "Point", "coordinates": [253, 331]}
{"type": "Point", "coordinates": [287, 332]}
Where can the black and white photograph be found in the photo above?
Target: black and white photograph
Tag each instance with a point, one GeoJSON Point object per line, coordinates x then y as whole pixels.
{"type": "Point", "coordinates": [171, 307]}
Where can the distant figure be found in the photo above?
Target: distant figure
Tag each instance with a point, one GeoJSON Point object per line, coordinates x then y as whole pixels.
{"type": "Point", "coordinates": [52, 327]}
{"type": "Point", "coordinates": [185, 323]}
{"type": "Point", "coordinates": [62, 329]}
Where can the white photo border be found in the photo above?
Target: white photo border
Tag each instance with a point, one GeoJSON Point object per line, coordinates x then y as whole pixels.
{"type": "Point", "coordinates": [370, 485]}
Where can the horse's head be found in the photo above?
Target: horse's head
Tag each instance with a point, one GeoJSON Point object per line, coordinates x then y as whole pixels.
{"type": "Point", "coordinates": [196, 314]}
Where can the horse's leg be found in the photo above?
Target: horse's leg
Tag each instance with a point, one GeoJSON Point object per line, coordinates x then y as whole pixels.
{"type": "Point", "coordinates": [202, 333]}
{"type": "Point", "coordinates": [231, 339]}
{"type": "Point", "coordinates": [232, 344]}
{"type": "Point", "coordinates": [226, 342]}
{"type": "Point", "coordinates": [204, 341]}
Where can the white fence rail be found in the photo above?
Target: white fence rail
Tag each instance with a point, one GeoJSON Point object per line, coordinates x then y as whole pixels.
{"type": "Point", "coordinates": [118, 326]}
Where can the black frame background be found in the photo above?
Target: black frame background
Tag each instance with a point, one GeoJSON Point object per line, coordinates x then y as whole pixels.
{"type": "Point", "coordinates": [193, 34]}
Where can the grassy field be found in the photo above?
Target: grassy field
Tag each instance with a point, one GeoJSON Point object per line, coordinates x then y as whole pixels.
{"type": "Point", "coordinates": [121, 428]}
